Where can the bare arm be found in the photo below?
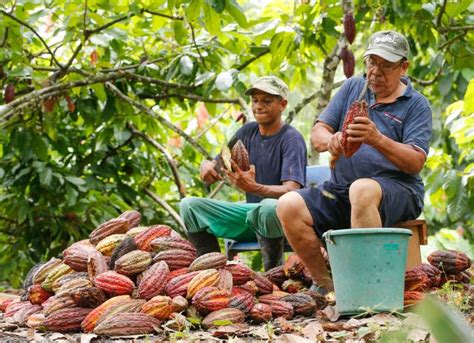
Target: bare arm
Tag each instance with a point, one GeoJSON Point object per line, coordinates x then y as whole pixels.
{"type": "Point", "coordinates": [245, 180]}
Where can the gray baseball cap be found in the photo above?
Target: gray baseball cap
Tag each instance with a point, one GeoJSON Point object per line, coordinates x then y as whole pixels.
{"type": "Point", "coordinates": [390, 45]}
{"type": "Point", "coordinates": [271, 85]}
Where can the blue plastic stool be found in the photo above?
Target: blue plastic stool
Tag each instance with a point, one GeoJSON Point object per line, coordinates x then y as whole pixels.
{"type": "Point", "coordinates": [315, 175]}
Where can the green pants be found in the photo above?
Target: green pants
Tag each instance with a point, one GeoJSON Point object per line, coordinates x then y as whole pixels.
{"type": "Point", "coordinates": [234, 220]}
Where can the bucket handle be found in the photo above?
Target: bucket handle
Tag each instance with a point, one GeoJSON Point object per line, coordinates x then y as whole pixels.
{"type": "Point", "coordinates": [327, 237]}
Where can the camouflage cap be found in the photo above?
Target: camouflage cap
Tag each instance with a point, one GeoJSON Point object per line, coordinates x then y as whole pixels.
{"type": "Point", "coordinates": [271, 85]}
{"type": "Point", "coordinates": [390, 45]}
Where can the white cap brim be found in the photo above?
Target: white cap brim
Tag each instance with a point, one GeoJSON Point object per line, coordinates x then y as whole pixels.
{"type": "Point", "coordinates": [262, 88]}
{"type": "Point", "coordinates": [386, 55]}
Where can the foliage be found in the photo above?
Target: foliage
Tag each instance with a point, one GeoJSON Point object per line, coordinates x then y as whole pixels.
{"type": "Point", "coordinates": [446, 324]}
{"type": "Point", "coordinates": [116, 104]}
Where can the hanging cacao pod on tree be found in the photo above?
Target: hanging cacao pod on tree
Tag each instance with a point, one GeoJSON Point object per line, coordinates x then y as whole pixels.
{"type": "Point", "coordinates": [349, 27]}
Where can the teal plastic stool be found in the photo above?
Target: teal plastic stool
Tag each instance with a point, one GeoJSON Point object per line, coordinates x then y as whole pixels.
{"type": "Point", "coordinates": [368, 268]}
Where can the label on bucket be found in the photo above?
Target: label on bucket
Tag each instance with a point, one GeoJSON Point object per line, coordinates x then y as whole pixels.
{"type": "Point", "coordinates": [391, 246]}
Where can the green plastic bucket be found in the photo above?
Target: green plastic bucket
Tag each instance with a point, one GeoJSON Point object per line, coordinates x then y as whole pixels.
{"type": "Point", "coordinates": [368, 268]}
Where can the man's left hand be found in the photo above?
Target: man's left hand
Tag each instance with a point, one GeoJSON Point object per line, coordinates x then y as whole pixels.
{"type": "Point", "coordinates": [363, 130]}
{"type": "Point", "coordinates": [244, 180]}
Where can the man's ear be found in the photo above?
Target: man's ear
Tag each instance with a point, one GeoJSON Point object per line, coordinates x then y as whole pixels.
{"type": "Point", "coordinates": [284, 103]}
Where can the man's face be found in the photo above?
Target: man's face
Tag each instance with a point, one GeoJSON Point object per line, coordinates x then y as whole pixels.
{"type": "Point", "coordinates": [383, 75]}
{"type": "Point", "coordinates": [267, 108]}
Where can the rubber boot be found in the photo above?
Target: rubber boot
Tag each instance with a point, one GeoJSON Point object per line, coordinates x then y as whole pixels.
{"type": "Point", "coordinates": [272, 251]}
{"type": "Point", "coordinates": [204, 242]}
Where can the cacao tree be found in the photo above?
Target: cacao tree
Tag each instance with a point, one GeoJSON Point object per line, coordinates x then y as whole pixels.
{"type": "Point", "coordinates": [111, 106]}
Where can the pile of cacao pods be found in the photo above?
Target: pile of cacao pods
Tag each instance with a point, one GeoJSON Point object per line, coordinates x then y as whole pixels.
{"type": "Point", "coordinates": [128, 279]}
{"type": "Point", "coordinates": [444, 266]}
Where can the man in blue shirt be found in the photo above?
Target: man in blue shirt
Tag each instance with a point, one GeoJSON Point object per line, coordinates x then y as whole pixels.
{"type": "Point", "coordinates": [277, 154]}
{"type": "Point", "coordinates": [380, 184]}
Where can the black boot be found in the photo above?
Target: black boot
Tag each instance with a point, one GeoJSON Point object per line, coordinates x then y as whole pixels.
{"type": "Point", "coordinates": [204, 242]}
{"type": "Point", "coordinates": [272, 251]}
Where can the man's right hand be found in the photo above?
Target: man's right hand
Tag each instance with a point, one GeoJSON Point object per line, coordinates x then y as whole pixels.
{"type": "Point", "coordinates": [209, 173]}
{"type": "Point", "coordinates": [335, 144]}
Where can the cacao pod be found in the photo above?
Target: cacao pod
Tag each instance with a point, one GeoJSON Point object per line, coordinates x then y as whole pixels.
{"type": "Point", "coordinates": [240, 273]}
{"type": "Point", "coordinates": [128, 324]}
{"type": "Point", "coordinates": [133, 262]}
{"type": "Point", "coordinates": [72, 286]}
{"type": "Point", "coordinates": [209, 299]}
{"type": "Point", "coordinates": [179, 284]}
{"type": "Point", "coordinates": [433, 273]}
{"type": "Point", "coordinates": [264, 285]}
{"type": "Point", "coordinates": [166, 243]}
{"type": "Point", "coordinates": [90, 321]}
{"type": "Point", "coordinates": [133, 217]}
{"type": "Point", "coordinates": [126, 306]}
{"type": "Point", "coordinates": [28, 282]}
{"type": "Point", "coordinates": [450, 261]}
{"type": "Point", "coordinates": [276, 275]}
{"type": "Point", "coordinates": [349, 27]}
{"type": "Point", "coordinates": [261, 313]}
{"type": "Point", "coordinates": [37, 295]}
{"type": "Point", "coordinates": [210, 260]}
{"type": "Point", "coordinates": [88, 297]}
{"type": "Point", "coordinates": [208, 277]}
{"type": "Point", "coordinates": [57, 272]}
{"type": "Point", "coordinates": [242, 300]}
{"type": "Point", "coordinates": [179, 303]}
{"type": "Point", "coordinates": [144, 238]}
{"type": "Point", "coordinates": [232, 315]}
{"type": "Point", "coordinates": [269, 298]}
{"type": "Point", "coordinates": [57, 303]}
{"type": "Point", "coordinates": [175, 258]}
{"type": "Point", "coordinates": [225, 280]}
{"type": "Point", "coordinates": [113, 226]}
{"type": "Point", "coordinates": [159, 307]}
{"type": "Point", "coordinates": [412, 297]}
{"type": "Point", "coordinates": [114, 283]}
{"type": "Point", "coordinates": [293, 286]}
{"type": "Point", "coordinates": [357, 109]}
{"type": "Point", "coordinates": [58, 283]}
{"type": "Point", "coordinates": [127, 245]}
{"type": "Point", "coordinates": [66, 320]}
{"type": "Point", "coordinates": [107, 245]}
{"type": "Point", "coordinates": [348, 63]}
{"type": "Point", "coordinates": [240, 156]}
{"type": "Point", "coordinates": [21, 316]}
{"type": "Point", "coordinates": [153, 280]}
{"type": "Point", "coordinates": [303, 304]}
{"type": "Point", "coordinates": [9, 93]}
{"type": "Point", "coordinates": [35, 320]}
{"type": "Point", "coordinates": [96, 265]}
{"type": "Point", "coordinates": [43, 271]}
{"type": "Point", "coordinates": [76, 256]}
{"type": "Point", "coordinates": [281, 308]}
{"type": "Point", "coordinates": [416, 280]}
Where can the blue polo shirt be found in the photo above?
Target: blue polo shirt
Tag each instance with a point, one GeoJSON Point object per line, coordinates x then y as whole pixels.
{"type": "Point", "coordinates": [277, 158]}
{"type": "Point", "coordinates": [407, 120]}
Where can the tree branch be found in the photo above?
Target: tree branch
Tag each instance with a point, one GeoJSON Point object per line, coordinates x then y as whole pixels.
{"type": "Point", "coordinates": [441, 12]}
{"type": "Point", "coordinates": [152, 80]}
{"type": "Point", "coordinates": [433, 80]}
{"type": "Point", "coordinates": [162, 120]}
{"type": "Point", "coordinates": [168, 208]}
{"type": "Point", "coordinates": [191, 97]}
{"type": "Point", "coordinates": [11, 108]}
{"type": "Point", "coordinates": [256, 57]}
{"type": "Point", "coordinates": [456, 28]}
{"type": "Point", "coordinates": [211, 124]}
{"type": "Point", "coordinates": [163, 15]}
{"type": "Point", "coordinates": [196, 46]}
{"type": "Point", "coordinates": [5, 37]}
{"type": "Point", "coordinates": [36, 34]}
{"type": "Point", "coordinates": [292, 114]}
{"type": "Point", "coordinates": [171, 161]}
{"type": "Point", "coordinates": [109, 24]}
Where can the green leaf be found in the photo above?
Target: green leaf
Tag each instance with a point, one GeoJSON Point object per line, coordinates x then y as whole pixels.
{"type": "Point", "coordinates": [217, 5]}
{"type": "Point", "coordinates": [99, 91]}
{"type": "Point", "coordinates": [75, 180]}
{"type": "Point", "coordinates": [469, 99]}
{"type": "Point", "coordinates": [211, 20]}
{"type": "Point", "coordinates": [180, 32]}
{"type": "Point", "coordinates": [236, 12]}
{"type": "Point", "coordinates": [46, 176]}
{"type": "Point", "coordinates": [193, 10]}
{"type": "Point", "coordinates": [446, 325]}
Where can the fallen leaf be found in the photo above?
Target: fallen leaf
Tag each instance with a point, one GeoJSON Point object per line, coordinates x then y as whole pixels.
{"type": "Point", "coordinates": [261, 332]}
{"type": "Point", "coordinates": [87, 337]}
{"type": "Point", "coordinates": [330, 313]}
{"type": "Point", "coordinates": [312, 330]}
{"type": "Point", "coordinates": [232, 329]}
{"type": "Point", "coordinates": [332, 326]}
{"type": "Point", "coordinates": [291, 338]}
{"type": "Point", "coordinates": [418, 335]}
{"type": "Point", "coordinates": [284, 324]}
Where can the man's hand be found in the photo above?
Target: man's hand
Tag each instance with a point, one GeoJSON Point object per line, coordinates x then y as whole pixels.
{"type": "Point", "coordinates": [363, 130]}
{"type": "Point", "coordinates": [209, 173]}
{"type": "Point", "coordinates": [244, 180]}
{"type": "Point", "coordinates": [335, 144]}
